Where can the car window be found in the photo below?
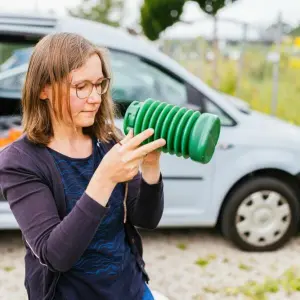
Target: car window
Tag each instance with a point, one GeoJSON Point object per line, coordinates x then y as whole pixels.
{"type": "Point", "coordinates": [13, 83]}
{"type": "Point", "coordinates": [214, 109]}
{"type": "Point", "coordinates": [135, 79]}
{"type": "Point", "coordinates": [13, 55]}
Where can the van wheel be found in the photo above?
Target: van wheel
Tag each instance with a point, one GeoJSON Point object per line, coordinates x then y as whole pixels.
{"type": "Point", "coordinates": [260, 215]}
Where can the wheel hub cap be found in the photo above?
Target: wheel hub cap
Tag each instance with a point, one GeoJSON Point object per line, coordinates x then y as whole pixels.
{"type": "Point", "coordinates": [263, 218]}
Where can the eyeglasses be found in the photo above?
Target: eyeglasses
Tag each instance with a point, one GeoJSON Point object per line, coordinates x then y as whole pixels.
{"type": "Point", "coordinates": [84, 89]}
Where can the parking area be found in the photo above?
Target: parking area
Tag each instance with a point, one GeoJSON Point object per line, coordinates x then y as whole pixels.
{"type": "Point", "coordinates": [184, 264]}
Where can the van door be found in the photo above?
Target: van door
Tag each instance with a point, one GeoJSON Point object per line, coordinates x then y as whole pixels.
{"type": "Point", "coordinates": [187, 183]}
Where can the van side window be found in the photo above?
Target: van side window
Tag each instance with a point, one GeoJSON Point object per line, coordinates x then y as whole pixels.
{"type": "Point", "coordinates": [214, 109]}
{"type": "Point", "coordinates": [136, 79]}
{"type": "Point", "coordinates": [204, 104]}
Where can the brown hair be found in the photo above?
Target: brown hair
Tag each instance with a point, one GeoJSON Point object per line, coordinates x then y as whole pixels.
{"type": "Point", "coordinates": [53, 58]}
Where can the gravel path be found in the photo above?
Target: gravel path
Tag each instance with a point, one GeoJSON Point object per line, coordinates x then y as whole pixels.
{"type": "Point", "coordinates": [183, 265]}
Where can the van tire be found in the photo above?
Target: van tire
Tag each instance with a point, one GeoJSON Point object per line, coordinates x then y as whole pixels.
{"type": "Point", "coordinates": [240, 193]}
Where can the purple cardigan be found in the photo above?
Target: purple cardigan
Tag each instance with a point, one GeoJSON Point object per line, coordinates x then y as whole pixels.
{"type": "Point", "coordinates": [32, 185]}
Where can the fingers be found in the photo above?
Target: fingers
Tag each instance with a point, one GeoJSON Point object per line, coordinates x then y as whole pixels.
{"type": "Point", "coordinates": [138, 139]}
{"type": "Point", "coordinates": [128, 137]}
{"type": "Point", "coordinates": [133, 162]}
{"type": "Point", "coordinates": [131, 149]}
{"type": "Point", "coordinates": [142, 151]}
{"type": "Point", "coordinates": [125, 140]}
{"type": "Point", "coordinates": [132, 167]}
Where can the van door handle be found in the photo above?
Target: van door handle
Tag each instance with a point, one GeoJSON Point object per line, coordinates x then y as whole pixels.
{"type": "Point", "coordinates": [224, 146]}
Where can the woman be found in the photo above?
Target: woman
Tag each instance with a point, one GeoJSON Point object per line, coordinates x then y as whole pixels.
{"type": "Point", "coordinates": [73, 183]}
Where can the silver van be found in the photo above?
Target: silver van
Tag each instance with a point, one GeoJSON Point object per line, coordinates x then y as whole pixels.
{"type": "Point", "coordinates": [250, 189]}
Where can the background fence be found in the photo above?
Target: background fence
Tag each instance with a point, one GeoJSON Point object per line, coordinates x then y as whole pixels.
{"type": "Point", "coordinates": [262, 66]}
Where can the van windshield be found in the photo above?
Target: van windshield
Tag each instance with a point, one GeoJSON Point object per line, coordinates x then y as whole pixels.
{"type": "Point", "coordinates": [13, 55]}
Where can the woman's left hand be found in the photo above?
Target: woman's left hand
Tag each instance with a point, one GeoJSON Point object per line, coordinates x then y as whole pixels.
{"type": "Point", "coordinates": [150, 167]}
{"type": "Point", "coordinates": [150, 163]}
{"type": "Point", "coordinates": [151, 159]}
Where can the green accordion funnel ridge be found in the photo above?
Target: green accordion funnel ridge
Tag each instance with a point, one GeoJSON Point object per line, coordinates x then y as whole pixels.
{"type": "Point", "coordinates": [188, 133]}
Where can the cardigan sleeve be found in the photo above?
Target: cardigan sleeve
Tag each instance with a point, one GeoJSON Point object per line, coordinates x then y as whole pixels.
{"type": "Point", "coordinates": [145, 202]}
{"type": "Point", "coordinates": [57, 243]}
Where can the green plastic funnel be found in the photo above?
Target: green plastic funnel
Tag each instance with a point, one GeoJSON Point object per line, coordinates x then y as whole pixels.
{"type": "Point", "coordinates": [188, 133]}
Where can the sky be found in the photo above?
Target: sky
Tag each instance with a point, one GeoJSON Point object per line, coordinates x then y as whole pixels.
{"type": "Point", "coordinates": [257, 13]}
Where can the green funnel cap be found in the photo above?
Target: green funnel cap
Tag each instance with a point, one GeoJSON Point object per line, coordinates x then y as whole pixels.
{"type": "Point", "coordinates": [204, 137]}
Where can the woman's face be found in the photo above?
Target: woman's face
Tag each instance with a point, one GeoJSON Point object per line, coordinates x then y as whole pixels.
{"type": "Point", "coordinates": [84, 107]}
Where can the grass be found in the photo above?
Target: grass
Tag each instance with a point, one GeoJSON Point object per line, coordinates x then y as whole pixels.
{"type": "Point", "coordinates": [181, 246]}
{"type": "Point", "coordinates": [203, 262]}
{"type": "Point", "coordinates": [256, 83]}
{"type": "Point", "coordinates": [8, 269]}
{"type": "Point", "coordinates": [244, 267]}
{"type": "Point", "coordinates": [289, 281]}
{"type": "Point", "coordinates": [210, 290]}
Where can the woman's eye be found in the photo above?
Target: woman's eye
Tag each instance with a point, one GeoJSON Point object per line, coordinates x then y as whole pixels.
{"type": "Point", "coordinates": [80, 87]}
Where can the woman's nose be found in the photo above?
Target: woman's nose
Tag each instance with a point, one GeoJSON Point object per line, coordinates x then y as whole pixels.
{"type": "Point", "coordinates": [94, 96]}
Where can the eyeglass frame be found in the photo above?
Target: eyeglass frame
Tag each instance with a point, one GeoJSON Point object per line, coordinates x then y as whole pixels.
{"type": "Point", "coordinates": [93, 86]}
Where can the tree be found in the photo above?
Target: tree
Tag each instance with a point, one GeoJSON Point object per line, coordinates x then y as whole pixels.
{"type": "Point", "coordinates": [104, 11]}
{"type": "Point", "coordinates": [295, 31]}
{"type": "Point", "coordinates": [157, 15]}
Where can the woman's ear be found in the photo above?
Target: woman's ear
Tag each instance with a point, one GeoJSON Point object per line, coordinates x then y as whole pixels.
{"type": "Point", "coordinates": [44, 94]}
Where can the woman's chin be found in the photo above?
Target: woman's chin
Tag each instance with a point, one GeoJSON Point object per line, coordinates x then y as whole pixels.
{"type": "Point", "coordinates": [86, 122]}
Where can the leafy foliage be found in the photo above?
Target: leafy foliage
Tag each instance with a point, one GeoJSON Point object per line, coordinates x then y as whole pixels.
{"type": "Point", "coordinates": [104, 11]}
{"type": "Point", "coordinates": [157, 15]}
{"type": "Point", "coordinates": [212, 7]}
{"type": "Point", "coordinates": [295, 32]}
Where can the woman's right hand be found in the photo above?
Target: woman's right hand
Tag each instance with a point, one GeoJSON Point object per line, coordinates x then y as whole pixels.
{"type": "Point", "coordinates": [121, 163]}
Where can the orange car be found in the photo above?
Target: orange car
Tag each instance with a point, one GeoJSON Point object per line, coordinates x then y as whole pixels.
{"type": "Point", "coordinates": [13, 134]}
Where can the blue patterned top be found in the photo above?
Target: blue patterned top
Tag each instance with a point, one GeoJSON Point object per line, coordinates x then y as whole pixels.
{"type": "Point", "coordinates": [107, 269]}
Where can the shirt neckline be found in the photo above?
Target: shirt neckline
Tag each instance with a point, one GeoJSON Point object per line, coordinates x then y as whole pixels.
{"type": "Point", "coordinates": [74, 158]}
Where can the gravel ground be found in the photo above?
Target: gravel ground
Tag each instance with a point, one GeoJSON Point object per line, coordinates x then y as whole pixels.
{"type": "Point", "coordinates": [183, 265]}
